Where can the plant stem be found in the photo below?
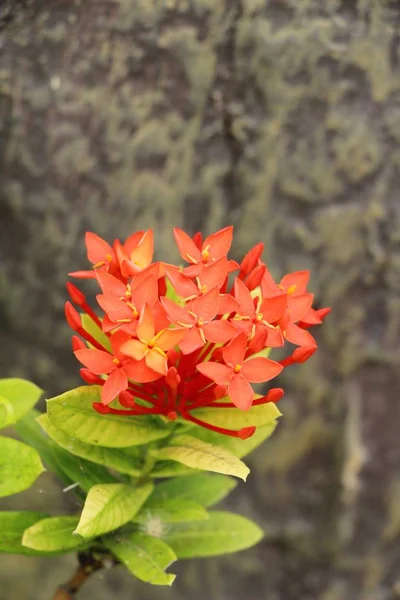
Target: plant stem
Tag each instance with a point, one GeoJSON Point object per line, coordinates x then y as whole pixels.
{"type": "Point", "coordinates": [88, 564]}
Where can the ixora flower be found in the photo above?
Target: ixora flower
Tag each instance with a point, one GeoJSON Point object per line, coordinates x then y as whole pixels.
{"type": "Point", "coordinates": [177, 338]}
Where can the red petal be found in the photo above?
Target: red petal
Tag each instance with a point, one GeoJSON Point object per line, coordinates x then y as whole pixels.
{"type": "Point", "coordinates": [233, 353]}
{"type": "Point", "coordinates": [97, 248]}
{"type": "Point", "coordinates": [299, 337]}
{"type": "Point", "coordinates": [240, 392]}
{"type": "Point", "coordinates": [110, 285]}
{"type": "Point", "coordinates": [117, 339]}
{"type": "Point", "coordinates": [260, 369]}
{"type": "Point", "coordinates": [219, 332]}
{"type": "Point", "coordinates": [134, 348]}
{"type": "Point", "coordinates": [116, 310]}
{"type": "Point", "coordinates": [251, 260]}
{"type": "Point", "coordinates": [157, 362]}
{"type": "Point", "coordinates": [176, 313]}
{"type": "Point", "coordinates": [97, 361]}
{"type": "Point", "coordinates": [132, 241]}
{"type": "Point", "coordinates": [323, 312]}
{"type": "Point", "coordinates": [192, 270]}
{"type": "Point", "coordinates": [297, 280]}
{"type": "Point", "coordinates": [192, 341]}
{"type": "Point", "coordinates": [116, 383]}
{"type": "Point", "coordinates": [227, 304]}
{"type": "Point", "coordinates": [183, 285]}
{"type": "Point", "coordinates": [145, 293]}
{"type": "Point", "coordinates": [205, 306]}
{"type": "Point", "coordinates": [268, 286]}
{"type": "Point", "coordinates": [187, 248]}
{"type": "Point", "coordinates": [142, 255]}
{"type": "Point", "coordinates": [215, 274]}
{"type": "Point", "coordinates": [299, 306]}
{"type": "Point", "coordinates": [255, 277]}
{"type": "Point", "coordinates": [311, 318]}
{"type": "Point", "coordinates": [219, 242]}
{"type": "Point", "coordinates": [274, 308]}
{"type": "Point", "coordinates": [138, 371]}
{"type": "Point", "coordinates": [275, 338]}
{"type": "Point", "coordinates": [146, 327]}
{"type": "Point", "coordinates": [170, 338]}
{"type": "Point", "coordinates": [198, 239]}
{"type": "Point", "coordinates": [221, 374]}
{"type": "Point", "coordinates": [244, 298]}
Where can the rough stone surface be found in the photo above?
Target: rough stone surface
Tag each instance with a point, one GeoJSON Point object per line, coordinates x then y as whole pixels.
{"type": "Point", "coordinates": [283, 118]}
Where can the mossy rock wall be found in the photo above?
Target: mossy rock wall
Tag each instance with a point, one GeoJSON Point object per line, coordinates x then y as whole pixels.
{"type": "Point", "coordinates": [283, 118]}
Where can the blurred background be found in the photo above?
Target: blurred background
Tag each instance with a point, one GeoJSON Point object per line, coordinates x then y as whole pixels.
{"type": "Point", "coordinates": [281, 117]}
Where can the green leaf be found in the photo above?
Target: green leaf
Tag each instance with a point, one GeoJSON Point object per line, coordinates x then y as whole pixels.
{"type": "Point", "coordinates": [234, 418]}
{"type": "Point", "coordinates": [7, 415]}
{"type": "Point", "coordinates": [55, 534]}
{"type": "Point", "coordinates": [12, 527]}
{"type": "Point", "coordinates": [21, 395]}
{"type": "Point", "coordinates": [169, 468]}
{"type": "Point", "coordinates": [52, 455]}
{"type": "Point", "coordinates": [31, 433]}
{"type": "Point", "coordinates": [115, 458]}
{"type": "Point", "coordinates": [204, 488]}
{"type": "Point", "coordinates": [222, 533]}
{"type": "Point", "coordinates": [239, 448]}
{"type": "Point", "coordinates": [156, 511]}
{"type": "Point", "coordinates": [20, 465]}
{"type": "Point", "coordinates": [146, 557]}
{"type": "Point", "coordinates": [110, 506]}
{"type": "Point", "coordinates": [72, 412]}
{"type": "Point", "coordinates": [197, 454]}
{"type": "Point", "coordinates": [82, 472]}
{"type": "Point", "coordinates": [91, 327]}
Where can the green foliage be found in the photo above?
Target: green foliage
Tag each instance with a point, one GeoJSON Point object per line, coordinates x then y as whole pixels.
{"type": "Point", "coordinates": [20, 466]}
{"type": "Point", "coordinates": [31, 433]}
{"type": "Point", "coordinates": [17, 397]}
{"type": "Point", "coordinates": [222, 533]}
{"type": "Point", "coordinates": [72, 412]}
{"type": "Point", "coordinates": [12, 527]}
{"type": "Point", "coordinates": [169, 468]}
{"type": "Point", "coordinates": [82, 472]}
{"type": "Point", "coordinates": [108, 506]}
{"type": "Point", "coordinates": [111, 462]}
{"type": "Point", "coordinates": [197, 454]}
{"type": "Point", "coordinates": [170, 510]}
{"type": "Point", "coordinates": [145, 556]}
{"type": "Point", "coordinates": [204, 488]}
{"type": "Point", "coordinates": [122, 460]}
{"type": "Point", "coordinates": [7, 415]}
{"type": "Point", "coordinates": [55, 534]}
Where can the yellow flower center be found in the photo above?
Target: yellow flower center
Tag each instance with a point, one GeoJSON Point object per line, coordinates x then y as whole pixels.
{"type": "Point", "coordinates": [237, 368]}
{"type": "Point", "coordinates": [205, 254]}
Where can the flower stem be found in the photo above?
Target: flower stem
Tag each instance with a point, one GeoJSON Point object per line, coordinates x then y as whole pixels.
{"type": "Point", "coordinates": [88, 564]}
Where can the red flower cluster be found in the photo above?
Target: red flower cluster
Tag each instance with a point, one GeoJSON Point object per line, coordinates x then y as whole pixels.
{"type": "Point", "coordinates": [181, 338]}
